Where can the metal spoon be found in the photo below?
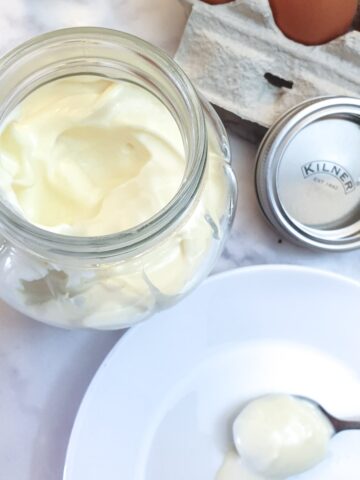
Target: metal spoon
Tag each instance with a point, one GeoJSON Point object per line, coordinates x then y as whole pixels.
{"type": "Point", "coordinates": [339, 425]}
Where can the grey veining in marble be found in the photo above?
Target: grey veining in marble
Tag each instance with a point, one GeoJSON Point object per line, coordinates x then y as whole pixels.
{"type": "Point", "coordinates": [158, 21]}
{"type": "Point", "coordinates": [45, 371]}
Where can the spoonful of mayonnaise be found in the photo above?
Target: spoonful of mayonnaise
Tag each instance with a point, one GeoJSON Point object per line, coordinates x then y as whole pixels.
{"type": "Point", "coordinates": [279, 435]}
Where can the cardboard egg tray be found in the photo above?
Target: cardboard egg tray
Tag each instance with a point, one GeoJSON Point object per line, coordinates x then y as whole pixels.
{"type": "Point", "coordinates": [240, 61]}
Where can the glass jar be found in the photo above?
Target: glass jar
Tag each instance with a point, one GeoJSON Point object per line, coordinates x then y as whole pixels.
{"type": "Point", "coordinates": [116, 280]}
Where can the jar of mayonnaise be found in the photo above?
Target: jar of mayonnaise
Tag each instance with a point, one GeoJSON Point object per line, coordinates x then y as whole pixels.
{"type": "Point", "coordinates": [116, 191]}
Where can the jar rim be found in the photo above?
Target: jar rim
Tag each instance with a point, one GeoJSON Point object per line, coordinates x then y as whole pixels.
{"type": "Point", "coordinates": [131, 240]}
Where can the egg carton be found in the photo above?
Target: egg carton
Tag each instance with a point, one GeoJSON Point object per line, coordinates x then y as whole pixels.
{"type": "Point", "coordinates": [240, 60]}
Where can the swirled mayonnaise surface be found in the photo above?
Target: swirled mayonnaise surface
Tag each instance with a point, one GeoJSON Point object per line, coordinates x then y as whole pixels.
{"type": "Point", "coordinates": [277, 436]}
{"type": "Point", "coordinates": [90, 156]}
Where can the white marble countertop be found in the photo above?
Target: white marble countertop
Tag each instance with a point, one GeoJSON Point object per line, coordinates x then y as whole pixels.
{"type": "Point", "coordinates": [45, 371]}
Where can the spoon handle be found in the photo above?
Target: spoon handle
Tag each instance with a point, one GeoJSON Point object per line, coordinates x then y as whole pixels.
{"type": "Point", "coordinates": [339, 425]}
{"type": "Point", "coordinates": [342, 425]}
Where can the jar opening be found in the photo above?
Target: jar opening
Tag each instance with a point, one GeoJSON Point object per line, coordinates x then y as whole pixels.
{"type": "Point", "coordinates": [117, 56]}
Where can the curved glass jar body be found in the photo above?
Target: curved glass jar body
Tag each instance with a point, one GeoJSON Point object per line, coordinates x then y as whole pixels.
{"type": "Point", "coordinates": [116, 280]}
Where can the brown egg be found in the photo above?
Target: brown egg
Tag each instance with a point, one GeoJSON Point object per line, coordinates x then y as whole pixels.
{"type": "Point", "coordinates": [217, 2]}
{"type": "Point", "coordinates": [313, 22]}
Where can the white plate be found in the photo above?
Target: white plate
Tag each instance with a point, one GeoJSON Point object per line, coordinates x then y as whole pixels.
{"type": "Point", "coordinates": [161, 405]}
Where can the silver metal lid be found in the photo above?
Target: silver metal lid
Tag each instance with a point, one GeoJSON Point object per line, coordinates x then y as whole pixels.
{"type": "Point", "coordinates": [308, 174]}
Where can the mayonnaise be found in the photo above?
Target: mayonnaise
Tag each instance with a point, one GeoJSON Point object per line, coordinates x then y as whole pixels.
{"type": "Point", "coordinates": [89, 156]}
{"type": "Point", "coordinates": [277, 436]}
{"type": "Point", "coordinates": [234, 468]}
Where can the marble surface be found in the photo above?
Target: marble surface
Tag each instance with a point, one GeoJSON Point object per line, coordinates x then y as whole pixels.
{"type": "Point", "coordinates": [44, 371]}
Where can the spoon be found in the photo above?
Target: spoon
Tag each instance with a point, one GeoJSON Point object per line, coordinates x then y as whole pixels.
{"type": "Point", "coordinates": [339, 425]}
{"type": "Point", "coordinates": [277, 436]}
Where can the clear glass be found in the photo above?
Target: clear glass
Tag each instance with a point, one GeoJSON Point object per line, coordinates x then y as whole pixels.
{"type": "Point", "coordinates": [114, 281]}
